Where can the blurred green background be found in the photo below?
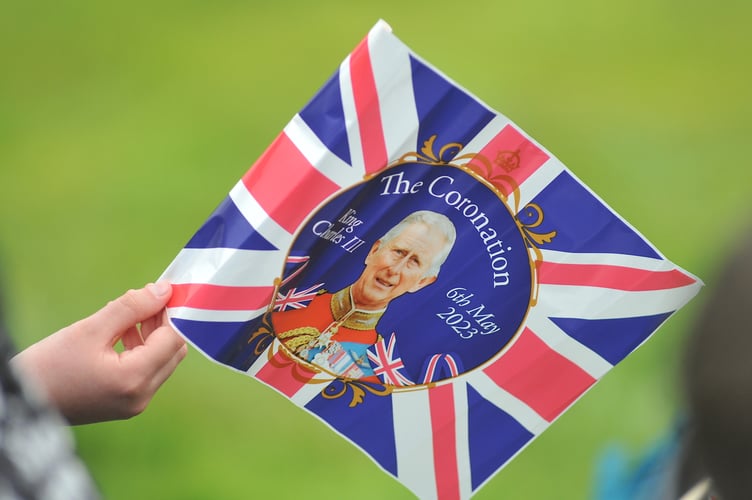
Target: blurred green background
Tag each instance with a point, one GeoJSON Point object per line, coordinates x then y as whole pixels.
{"type": "Point", "coordinates": [122, 126]}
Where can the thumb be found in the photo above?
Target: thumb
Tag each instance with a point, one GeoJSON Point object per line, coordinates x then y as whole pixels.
{"type": "Point", "coordinates": [129, 309]}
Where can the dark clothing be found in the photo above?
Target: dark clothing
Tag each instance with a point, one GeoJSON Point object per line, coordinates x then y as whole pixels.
{"type": "Point", "coordinates": [37, 461]}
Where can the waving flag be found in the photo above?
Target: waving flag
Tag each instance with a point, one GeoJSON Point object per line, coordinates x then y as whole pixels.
{"type": "Point", "coordinates": [544, 290]}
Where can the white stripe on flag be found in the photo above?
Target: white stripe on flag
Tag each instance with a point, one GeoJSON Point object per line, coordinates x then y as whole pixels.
{"type": "Point", "coordinates": [521, 412]}
{"type": "Point", "coordinates": [608, 259]}
{"type": "Point", "coordinates": [568, 347]}
{"type": "Point", "coordinates": [538, 180]}
{"type": "Point", "coordinates": [311, 390]}
{"type": "Point", "coordinates": [258, 218]}
{"type": "Point", "coordinates": [414, 442]}
{"type": "Point", "coordinates": [207, 315]}
{"type": "Point", "coordinates": [461, 423]}
{"type": "Point", "coordinates": [392, 72]}
{"type": "Point", "coordinates": [227, 266]}
{"type": "Point", "coordinates": [565, 301]}
{"type": "Point", "coordinates": [352, 126]}
{"type": "Point", "coordinates": [262, 361]}
{"type": "Point", "coordinates": [319, 155]}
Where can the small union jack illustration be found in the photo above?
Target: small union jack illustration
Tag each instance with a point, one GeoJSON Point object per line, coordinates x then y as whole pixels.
{"type": "Point", "coordinates": [386, 366]}
{"type": "Point", "coordinates": [294, 266]}
{"type": "Point", "coordinates": [295, 299]}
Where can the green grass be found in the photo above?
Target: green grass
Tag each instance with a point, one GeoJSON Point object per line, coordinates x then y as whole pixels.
{"type": "Point", "coordinates": [123, 126]}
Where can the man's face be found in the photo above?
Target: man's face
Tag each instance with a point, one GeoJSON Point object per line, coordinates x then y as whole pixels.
{"type": "Point", "coordinates": [397, 266]}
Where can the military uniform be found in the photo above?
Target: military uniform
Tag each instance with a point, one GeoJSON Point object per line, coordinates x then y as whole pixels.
{"type": "Point", "coordinates": [331, 333]}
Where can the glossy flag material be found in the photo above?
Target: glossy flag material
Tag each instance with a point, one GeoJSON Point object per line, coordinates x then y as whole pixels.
{"type": "Point", "coordinates": [543, 290]}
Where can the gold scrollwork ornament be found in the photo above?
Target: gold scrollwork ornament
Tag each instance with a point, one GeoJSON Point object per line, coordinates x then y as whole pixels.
{"type": "Point", "coordinates": [358, 389]}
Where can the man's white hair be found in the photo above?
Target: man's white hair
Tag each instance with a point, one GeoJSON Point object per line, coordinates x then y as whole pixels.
{"type": "Point", "coordinates": [433, 220]}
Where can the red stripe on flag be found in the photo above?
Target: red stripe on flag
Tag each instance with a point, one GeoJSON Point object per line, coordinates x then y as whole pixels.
{"type": "Point", "coordinates": [513, 155]}
{"type": "Point", "coordinates": [367, 106]}
{"type": "Point", "coordinates": [286, 185]}
{"type": "Point", "coordinates": [617, 277]}
{"type": "Point", "coordinates": [539, 376]}
{"type": "Point", "coordinates": [441, 404]}
{"type": "Point", "coordinates": [284, 374]}
{"type": "Point", "coordinates": [223, 298]}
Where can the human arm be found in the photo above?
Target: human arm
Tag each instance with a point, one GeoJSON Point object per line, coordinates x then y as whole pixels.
{"type": "Point", "coordinates": [87, 379]}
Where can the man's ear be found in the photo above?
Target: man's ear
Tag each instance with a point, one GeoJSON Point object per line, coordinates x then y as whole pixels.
{"type": "Point", "coordinates": [423, 282]}
{"type": "Point", "coordinates": [373, 250]}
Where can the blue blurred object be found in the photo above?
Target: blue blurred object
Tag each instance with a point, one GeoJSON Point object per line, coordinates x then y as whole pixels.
{"type": "Point", "coordinates": [652, 476]}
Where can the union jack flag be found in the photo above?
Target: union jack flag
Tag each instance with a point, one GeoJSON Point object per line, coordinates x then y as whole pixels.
{"type": "Point", "coordinates": [386, 365]}
{"type": "Point", "coordinates": [295, 299]}
{"type": "Point", "coordinates": [295, 265]}
{"type": "Point", "coordinates": [602, 289]}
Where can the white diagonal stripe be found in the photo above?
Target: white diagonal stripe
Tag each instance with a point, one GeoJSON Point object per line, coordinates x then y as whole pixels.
{"type": "Point", "coordinates": [318, 155]}
{"type": "Point", "coordinates": [311, 390]}
{"type": "Point", "coordinates": [258, 218]}
{"type": "Point", "coordinates": [568, 347]}
{"type": "Point", "coordinates": [538, 180]}
{"type": "Point", "coordinates": [262, 361]}
{"type": "Point", "coordinates": [352, 126]}
{"type": "Point", "coordinates": [518, 410]}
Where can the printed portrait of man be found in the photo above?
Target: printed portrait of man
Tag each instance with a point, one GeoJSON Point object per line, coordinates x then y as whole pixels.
{"type": "Point", "coordinates": [336, 329]}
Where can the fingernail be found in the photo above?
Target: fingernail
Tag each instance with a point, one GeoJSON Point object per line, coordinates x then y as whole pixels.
{"type": "Point", "coordinates": [159, 289]}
